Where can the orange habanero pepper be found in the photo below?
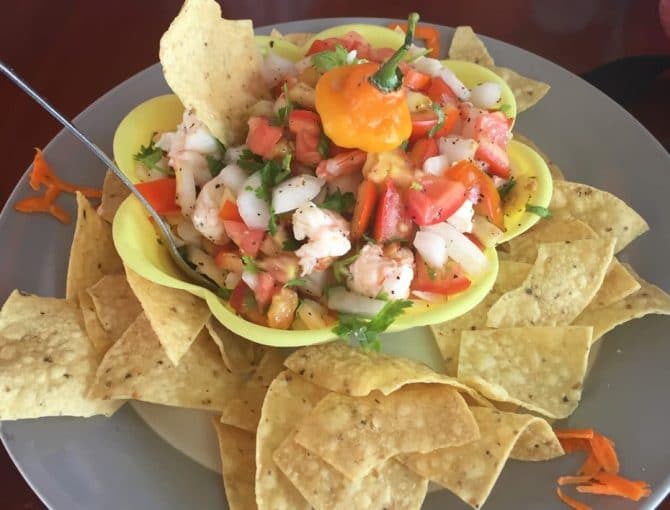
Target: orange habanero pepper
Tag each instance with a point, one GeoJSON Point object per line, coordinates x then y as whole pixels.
{"type": "Point", "coordinates": [363, 106]}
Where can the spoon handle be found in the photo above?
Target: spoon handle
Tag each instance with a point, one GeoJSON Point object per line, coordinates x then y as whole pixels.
{"type": "Point", "coordinates": [109, 163]}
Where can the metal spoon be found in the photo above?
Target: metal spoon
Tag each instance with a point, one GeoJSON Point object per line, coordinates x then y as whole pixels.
{"type": "Point", "coordinates": [163, 227]}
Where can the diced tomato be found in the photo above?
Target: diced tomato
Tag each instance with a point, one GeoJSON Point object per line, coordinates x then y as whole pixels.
{"type": "Point", "coordinates": [320, 45]}
{"type": "Point", "coordinates": [265, 289]}
{"type": "Point", "coordinates": [350, 41]}
{"type": "Point", "coordinates": [494, 127]}
{"type": "Point", "coordinates": [160, 194]}
{"type": "Point", "coordinates": [366, 197]}
{"type": "Point", "coordinates": [496, 157]}
{"type": "Point", "coordinates": [304, 121]}
{"type": "Point", "coordinates": [282, 267]}
{"type": "Point", "coordinates": [342, 164]}
{"type": "Point", "coordinates": [423, 149]}
{"type": "Point", "coordinates": [377, 54]}
{"type": "Point", "coordinates": [489, 204]}
{"type": "Point", "coordinates": [438, 199]}
{"type": "Point", "coordinates": [441, 93]}
{"type": "Point", "coordinates": [229, 211]}
{"type": "Point", "coordinates": [239, 301]}
{"type": "Point", "coordinates": [263, 136]}
{"type": "Point", "coordinates": [238, 295]}
{"type": "Point", "coordinates": [391, 221]}
{"type": "Point", "coordinates": [413, 79]}
{"type": "Point", "coordinates": [422, 122]}
{"type": "Point", "coordinates": [445, 281]}
{"type": "Point", "coordinates": [228, 257]}
{"type": "Point", "coordinates": [475, 240]}
{"type": "Point", "coordinates": [334, 150]}
{"type": "Point", "coordinates": [248, 239]}
{"type": "Point", "coordinates": [307, 128]}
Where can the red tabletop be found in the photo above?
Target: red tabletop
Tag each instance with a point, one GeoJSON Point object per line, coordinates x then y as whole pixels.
{"type": "Point", "coordinates": [75, 51]}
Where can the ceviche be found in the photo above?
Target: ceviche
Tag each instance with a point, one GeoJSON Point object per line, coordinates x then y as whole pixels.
{"type": "Point", "coordinates": [368, 175]}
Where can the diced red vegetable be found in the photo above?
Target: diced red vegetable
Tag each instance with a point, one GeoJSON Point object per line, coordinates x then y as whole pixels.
{"type": "Point", "coordinates": [248, 239]}
{"type": "Point", "coordinates": [366, 197]}
{"type": "Point", "coordinates": [421, 150]}
{"type": "Point", "coordinates": [392, 222]}
{"type": "Point", "coordinates": [262, 136]}
{"type": "Point", "coordinates": [423, 122]}
{"type": "Point", "coordinates": [437, 199]}
{"type": "Point", "coordinates": [443, 281]}
{"type": "Point", "coordinates": [161, 194]}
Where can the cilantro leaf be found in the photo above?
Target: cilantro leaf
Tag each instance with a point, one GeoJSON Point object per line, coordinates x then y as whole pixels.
{"type": "Point", "coordinates": [440, 120]}
{"type": "Point", "coordinates": [291, 244]}
{"type": "Point", "coordinates": [215, 165]}
{"type": "Point", "coordinates": [149, 156]}
{"type": "Point", "coordinates": [250, 161]}
{"type": "Point", "coordinates": [369, 239]}
{"type": "Point", "coordinates": [542, 212]}
{"type": "Point", "coordinates": [431, 272]}
{"type": "Point", "coordinates": [505, 189]}
{"type": "Point", "coordinates": [249, 264]}
{"type": "Point", "coordinates": [281, 119]}
{"type": "Point", "coordinates": [295, 282]}
{"type": "Point", "coordinates": [271, 175]}
{"type": "Point", "coordinates": [224, 293]}
{"type": "Point", "coordinates": [404, 145]}
{"type": "Point", "coordinates": [416, 186]}
{"type": "Point", "coordinates": [366, 331]}
{"type": "Point", "coordinates": [249, 302]}
{"type": "Point", "coordinates": [324, 145]}
{"type": "Point", "coordinates": [340, 267]}
{"type": "Point", "coordinates": [339, 202]}
{"type": "Point", "coordinates": [329, 59]}
{"type": "Point", "coordinates": [272, 222]}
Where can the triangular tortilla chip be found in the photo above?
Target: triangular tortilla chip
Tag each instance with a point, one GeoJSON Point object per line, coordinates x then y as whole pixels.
{"type": "Point", "coordinates": [239, 354]}
{"type": "Point", "coordinates": [537, 442]}
{"type": "Point", "coordinates": [115, 304]}
{"type": "Point", "coordinates": [527, 91]}
{"type": "Point", "coordinates": [114, 192]}
{"type": "Point", "coordinates": [448, 334]}
{"type": "Point", "coordinates": [647, 300]}
{"type": "Point", "coordinates": [137, 367]}
{"type": "Point", "coordinates": [465, 45]}
{"type": "Point", "coordinates": [618, 284]}
{"type": "Point", "coordinates": [470, 471]}
{"type": "Point", "coordinates": [609, 216]}
{"type": "Point", "coordinates": [541, 369]}
{"type": "Point", "coordinates": [92, 254]}
{"type": "Point", "coordinates": [213, 65]}
{"type": "Point", "coordinates": [357, 434]}
{"type": "Point", "coordinates": [390, 485]}
{"type": "Point", "coordinates": [96, 333]}
{"type": "Point", "coordinates": [561, 283]}
{"type": "Point", "coordinates": [46, 360]}
{"type": "Point", "coordinates": [175, 315]}
{"type": "Point", "coordinates": [238, 465]}
{"type": "Point", "coordinates": [289, 399]}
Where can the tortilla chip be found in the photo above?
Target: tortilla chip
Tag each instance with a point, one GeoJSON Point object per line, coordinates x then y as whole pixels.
{"type": "Point", "coordinates": [608, 215]}
{"type": "Point", "coordinates": [561, 283]}
{"type": "Point", "coordinates": [137, 367]}
{"type": "Point", "coordinates": [470, 471]}
{"type": "Point", "coordinates": [448, 334]}
{"type": "Point", "coordinates": [647, 300]}
{"type": "Point", "coordinates": [541, 369]}
{"type": "Point", "coordinates": [92, 254]}
{"type": "Point", "coordinates": [556, 172]}
{"type": "Point", "coordinates": [537, 442]}
{"type": "Point", "coordinates": [176, 316]}
{"type": "Point", "coordinates": [299, 38]}
{"type": "Point", "coordinates": [524, 247]}
{"type": "Point", "coordinates": [356, 434]}
{"type": "Point", "coordinates": [213, 65]}
{"type": "Point", "coordinates": [243, 410]}
{"type": "Point", "coordinates": [115, 304]}
{"type": "Point", "coordinates": [391, 485]}
{"type": "Point", "coordinates": [527, 91]}
{"type": "Point", "coordinates": [465, 45]}
{"type": "Point", "coordinates": [94, 330]}
{"type": "Point", "coordinates": [339, 367]}
{"type": "Point", "coordinates": [238, 465]}
{"type": "Point", "coordinates": [289, 398]}
{"type": "Point", "coordinates": [239, 354]}
{"type": "Point", "coordinates": [46, 360]}
{"type": "Point", "coordinates": [617, 285]}
{"type": "Point", "coordinates": [114, 192]}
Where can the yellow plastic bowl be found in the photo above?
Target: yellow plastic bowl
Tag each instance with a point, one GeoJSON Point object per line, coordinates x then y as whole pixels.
{"type": "Point", "coordinates": [137, 243]}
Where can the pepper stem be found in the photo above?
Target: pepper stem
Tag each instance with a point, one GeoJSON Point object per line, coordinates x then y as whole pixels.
{"type": "Point", "coordinates": [388, 77]}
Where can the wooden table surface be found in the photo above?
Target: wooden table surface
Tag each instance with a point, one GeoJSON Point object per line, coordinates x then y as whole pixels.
{"type": "Point", "coordinates": [74, 51]}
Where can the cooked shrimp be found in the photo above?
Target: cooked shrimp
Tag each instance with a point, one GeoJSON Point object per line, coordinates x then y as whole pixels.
{"type": "Point", "coordinates": [205, 216]}
{"type": "Point", "coordinates": [326, 231]}
{"type": "Point", "coordinates": [376, 272]}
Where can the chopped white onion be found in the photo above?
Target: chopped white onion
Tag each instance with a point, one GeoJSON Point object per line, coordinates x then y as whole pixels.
{"type": "Point", "coordinates": [431, 297]}
{"type": "Point", "coordinates": [436, 165]}
{"type": "Point", "coordinates": [486, 232]}
{"type": "Point", "coordinates": [499, 181]}
{"type": "Point", "coordinates": [294, 192]}
{"type": "Point", "coordinates": [251, 279]}
{"type": "Point", "coordinates": [461, 219]}
{"type": "Point", "coordinates": [431, 247]}
{"type": "Point", "coordinates": [351, 56]}
{"type": "Point", "coordinates": [233, 177]}
{"type": "Point", "coordinates": [427, 65]}
{"type": "Point", "coordinates": [185, 194]}
{"type": "Point", "coordinates": [342, 300]}
{"type": "Point", "coordinates": [315, 282]}
{"type": "Point", "coordinates": [303, 64]}
{"type": "Point", "coordinates": [456, 85]}
{"type": "Point", "coordinates": [254, 211]}
{"type": "Point", "coordinates": [262, 108]}
{"type": "Point", "coordinates": [233, 154]}
{"type": "Point", "coordinates": [231, 280]}
{"type": "Point", "coordinates": [201, 140]}
{"type": "Point", "coordinates": [457, 148]}
{"type": "Point", "coordinates": [487, 95]}
{"type": "Point", "coordinates": [276, 69]}
{"type": "Point", "coordinates": [461, 249]}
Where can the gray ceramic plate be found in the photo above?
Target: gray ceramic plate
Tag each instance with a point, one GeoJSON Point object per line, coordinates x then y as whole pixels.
{"type": "Point", "coordinates": [128, 462]}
